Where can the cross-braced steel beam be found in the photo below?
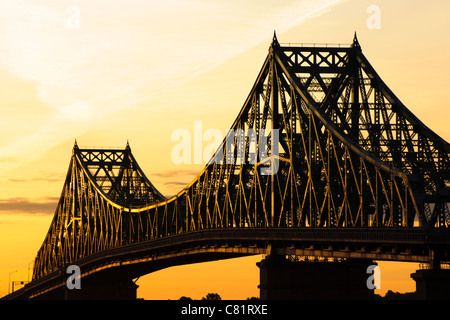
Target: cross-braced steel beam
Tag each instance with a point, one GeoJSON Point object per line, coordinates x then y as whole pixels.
{"type": "Point", "coordinates": [320, 142]}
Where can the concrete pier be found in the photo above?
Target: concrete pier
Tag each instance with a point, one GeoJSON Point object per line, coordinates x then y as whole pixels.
{"type": "Point", "coordinates": [302, 280]}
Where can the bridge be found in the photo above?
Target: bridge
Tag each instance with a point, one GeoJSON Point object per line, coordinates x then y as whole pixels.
{"type": "Point", "coordinates": [323, 160]}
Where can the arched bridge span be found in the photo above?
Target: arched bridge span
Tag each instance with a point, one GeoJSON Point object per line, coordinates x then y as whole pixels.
{"type": "Point", "coordinates": [323, 159]}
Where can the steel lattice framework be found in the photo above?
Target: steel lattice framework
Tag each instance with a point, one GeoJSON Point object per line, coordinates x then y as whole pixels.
{"type": "Point", "coordinates": [342, 151]}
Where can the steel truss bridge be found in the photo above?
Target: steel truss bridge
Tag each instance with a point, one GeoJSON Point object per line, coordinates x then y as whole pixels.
{"type": "Point", "coordinates": [353, 174]}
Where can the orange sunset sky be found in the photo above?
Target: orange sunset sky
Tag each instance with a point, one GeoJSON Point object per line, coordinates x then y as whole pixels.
{"type": "Point", "coordinates": [104, 72]}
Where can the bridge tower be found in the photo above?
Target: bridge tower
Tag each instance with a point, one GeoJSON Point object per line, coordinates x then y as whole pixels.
{"type": "Point", "coordinates": [285, 279]}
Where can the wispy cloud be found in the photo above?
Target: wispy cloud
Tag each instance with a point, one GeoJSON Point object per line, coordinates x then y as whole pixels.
{"type": "Point", "coordinates": [175, 173]}
{"type": "Point", "coordinates": [176, 183]}
{"type": "Point", "coordinates": [25, 205]}
{"type": "Point", "coordinates": [60, 179]}
{"type": "Point", "coordinates": [172, 181]}
{"type": "Point", "coordinates": [124, 52]}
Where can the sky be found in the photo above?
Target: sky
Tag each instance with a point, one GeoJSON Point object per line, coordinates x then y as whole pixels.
{"type": "Point", "coordinates": [108, 72]}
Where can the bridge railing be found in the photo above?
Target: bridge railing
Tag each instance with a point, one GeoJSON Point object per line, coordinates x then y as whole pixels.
{"type": "Point", "coordinates": [315, 45]}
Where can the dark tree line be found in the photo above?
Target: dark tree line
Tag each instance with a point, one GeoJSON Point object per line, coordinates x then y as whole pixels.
{"type": "Point", "coordinates": [213, 296]}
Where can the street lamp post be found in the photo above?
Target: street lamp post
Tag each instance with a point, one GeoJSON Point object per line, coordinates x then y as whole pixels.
{"type": "Point", "coordinates": [32, 261]}
{"type": "Point", "coordinates": [9, 281]}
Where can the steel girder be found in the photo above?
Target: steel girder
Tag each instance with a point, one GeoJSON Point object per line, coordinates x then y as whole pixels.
{"type": "Point", "coordinates": [320, 142]}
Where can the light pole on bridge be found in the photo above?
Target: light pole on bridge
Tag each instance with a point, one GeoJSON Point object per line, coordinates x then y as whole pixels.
{"type": "Point", "coordinates": [9, 281]}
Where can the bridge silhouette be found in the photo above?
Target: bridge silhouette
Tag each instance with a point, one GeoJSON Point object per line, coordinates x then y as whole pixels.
{"type": "Point", "coordinates": [345, 172]}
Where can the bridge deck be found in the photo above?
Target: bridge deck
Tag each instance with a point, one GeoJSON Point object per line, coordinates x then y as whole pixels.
{"type": "Point", "coordinates": [207, 245]}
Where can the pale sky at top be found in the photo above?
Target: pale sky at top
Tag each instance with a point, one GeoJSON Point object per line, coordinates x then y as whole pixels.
{"type": "Point", "coordinates": [122, 53]}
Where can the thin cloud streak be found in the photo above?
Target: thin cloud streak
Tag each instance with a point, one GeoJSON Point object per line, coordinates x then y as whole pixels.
{"type": "Point", "coordinates": [29, 206]}
{"type": "Point", "coordinates": [123, 54]}
{"type": "Point", "coordinates": [37, 179]}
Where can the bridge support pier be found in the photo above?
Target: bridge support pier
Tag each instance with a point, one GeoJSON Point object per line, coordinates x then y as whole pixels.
{"type": "Point", "coordinates": [432, 284]}
{"type": "Point", "coordinates": [302, 280]}
{"type": "Point", "coordinates": [103, 290]}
